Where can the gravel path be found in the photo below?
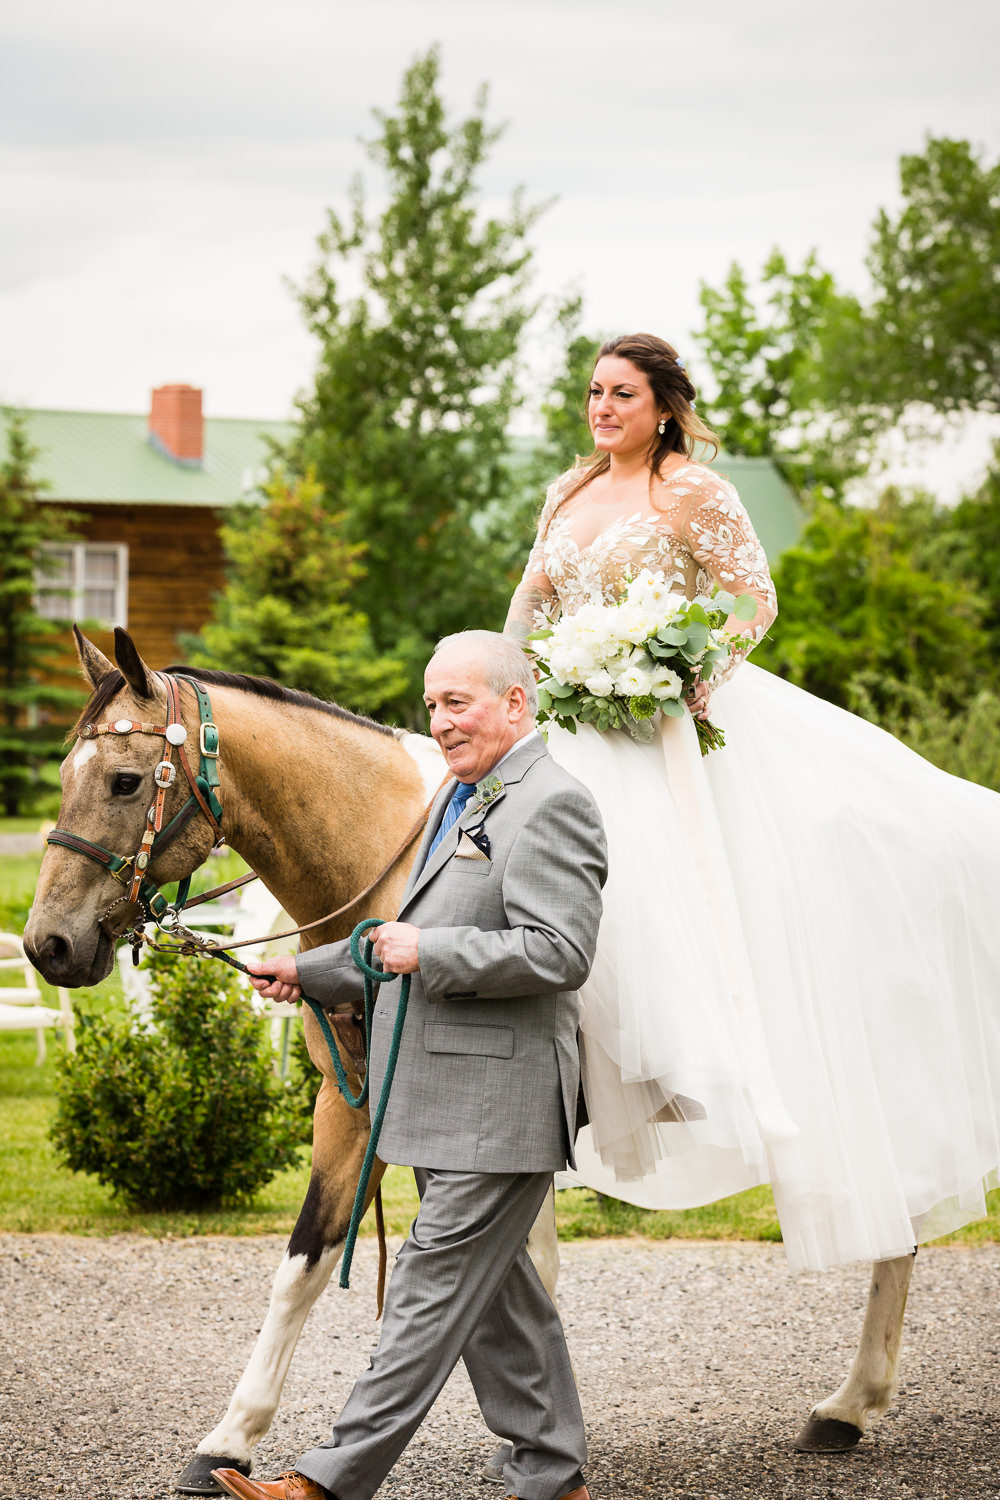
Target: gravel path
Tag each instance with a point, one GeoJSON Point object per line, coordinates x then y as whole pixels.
{"type": "Point", "coordinates": [697, 1363]}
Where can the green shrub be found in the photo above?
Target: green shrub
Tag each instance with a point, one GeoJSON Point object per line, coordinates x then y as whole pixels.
{"type": "Point", "coordinates": [186, 1115]}
{"type": "Point", "coordinates": [306, 1079]}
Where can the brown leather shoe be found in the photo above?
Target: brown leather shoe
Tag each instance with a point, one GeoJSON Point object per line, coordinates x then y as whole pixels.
{"type": "Point", "coordinates": [580, 1493]}
{"type": "Point", "coordinates": [291, 1486]}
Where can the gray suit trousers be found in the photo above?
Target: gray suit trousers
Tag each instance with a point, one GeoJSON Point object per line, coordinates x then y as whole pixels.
{"type": "Point", "coordinates": [463, 1287]}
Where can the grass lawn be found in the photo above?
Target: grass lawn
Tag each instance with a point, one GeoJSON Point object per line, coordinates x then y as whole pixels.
{"type": "Point", "coordinates": [38, 1194]}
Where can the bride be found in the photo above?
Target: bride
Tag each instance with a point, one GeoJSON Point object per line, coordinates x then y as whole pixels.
{"type": "Point", "coordinates": [798, 972]}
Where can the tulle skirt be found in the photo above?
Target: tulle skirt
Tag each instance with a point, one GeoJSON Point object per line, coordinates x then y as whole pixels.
{"type": "Point", "coordinates": [798, 975]}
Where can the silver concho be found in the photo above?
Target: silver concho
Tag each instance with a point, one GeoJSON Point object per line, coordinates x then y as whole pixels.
{"type": "Point", "coordinates": [176, 734]}
{"type": "Point", "coordinates": [122, 726]}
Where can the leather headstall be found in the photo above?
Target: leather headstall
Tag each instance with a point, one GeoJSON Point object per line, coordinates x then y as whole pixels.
{"type": "Point", "coordinates": [130, 870]}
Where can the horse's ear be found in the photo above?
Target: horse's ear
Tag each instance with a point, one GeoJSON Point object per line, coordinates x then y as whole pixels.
{"type": "Point", "coordinates": [93, 663]}
{"type": "Point", "coordinates": [132, 666]}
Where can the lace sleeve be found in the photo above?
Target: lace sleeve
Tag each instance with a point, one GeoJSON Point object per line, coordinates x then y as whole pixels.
{"type": "Point", "coordinates": [535, 593]}
{"type": "Point", "coordinates": [721, 537]}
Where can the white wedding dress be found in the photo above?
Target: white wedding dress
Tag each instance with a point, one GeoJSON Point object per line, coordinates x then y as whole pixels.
{"type": "Point", "coordinates": [798, 972]}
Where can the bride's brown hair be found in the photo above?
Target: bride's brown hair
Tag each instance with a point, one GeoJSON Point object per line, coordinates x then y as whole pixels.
{"type": "Point", "coordinates": [684, 431]}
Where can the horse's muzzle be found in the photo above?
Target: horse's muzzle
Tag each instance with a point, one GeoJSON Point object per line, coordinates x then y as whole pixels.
{"type": "Point", "coordinates": [62, 961]}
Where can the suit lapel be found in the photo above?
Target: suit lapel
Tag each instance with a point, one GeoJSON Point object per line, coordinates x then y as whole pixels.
{"type": "Point", "coordinates": [425, 869]}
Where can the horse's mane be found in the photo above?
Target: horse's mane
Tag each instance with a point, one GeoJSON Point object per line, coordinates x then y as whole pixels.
{"type": "Point", "coordinates": [261, 687]}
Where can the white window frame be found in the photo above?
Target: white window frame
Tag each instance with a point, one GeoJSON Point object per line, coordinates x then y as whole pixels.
{"type": "Point", "coordinates": [72, 600]}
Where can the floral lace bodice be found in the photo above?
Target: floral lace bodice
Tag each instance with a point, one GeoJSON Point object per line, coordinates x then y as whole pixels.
{"type": "Point", "coordinates": [698, 535]}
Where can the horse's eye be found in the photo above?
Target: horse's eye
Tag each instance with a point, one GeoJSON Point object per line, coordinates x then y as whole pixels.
{"type": "Point", "coordinates": [125, 783]}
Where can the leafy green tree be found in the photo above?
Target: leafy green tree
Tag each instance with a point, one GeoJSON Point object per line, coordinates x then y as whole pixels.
{"type": "Point", "coordinates": [974, 553]}
{"type": "Point", "coordinates": [406, 425]}
{"type": "Point", "coordinates": [284, 611]}
{"type": "Point", "coordinates": [932, 332]}
{"type": "Point", "coordinates": [812, 376]}
{"type": "Point", "coordinates": [855, 606]}
{"type": "Point", "coordinates": [31, 645]}
{"type": "Point", "coordinates": [763, 348]}
{"type": "Point", "coordinates": [567, 432]}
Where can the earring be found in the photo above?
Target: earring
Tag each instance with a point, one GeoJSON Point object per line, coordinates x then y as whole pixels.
{"type": "Point", "coordinates": [661, 429]}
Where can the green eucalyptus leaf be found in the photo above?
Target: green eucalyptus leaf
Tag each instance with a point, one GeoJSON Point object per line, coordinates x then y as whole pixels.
{"type": "Point", "coordinates": [697, 638]}
{"type": "Point", "coordinates": [745, 607]}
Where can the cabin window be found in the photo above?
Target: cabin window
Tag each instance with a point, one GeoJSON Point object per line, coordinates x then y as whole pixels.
{"type": "Point", "coordinates": [85, 581]}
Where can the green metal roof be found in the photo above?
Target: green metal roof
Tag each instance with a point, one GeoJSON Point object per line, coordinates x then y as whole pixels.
{"type": "Point", "coordinates": [105, 458]}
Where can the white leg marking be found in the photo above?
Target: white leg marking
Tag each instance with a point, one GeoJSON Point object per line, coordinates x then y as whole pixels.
{"type": "Point", "coordinates": [86, 752]}
{"type": "Point", "coordinates": [543, 1244]}
{"type": "Point", "coordinates": [873, 1378]}
{"type": "Point", "coordinates": [256, 1397]}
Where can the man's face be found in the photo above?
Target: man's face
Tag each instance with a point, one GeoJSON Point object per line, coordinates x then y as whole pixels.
{"type": "Point", "coordinates": [471, 724]}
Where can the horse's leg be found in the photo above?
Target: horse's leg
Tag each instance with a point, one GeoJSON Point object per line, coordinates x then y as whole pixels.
{"type": "Point", "coordinates": [840, 1421]}
{"type": "Point", "coordinates": [543, 1247]}
{"type": "Point", "coordinates": [543, 1244]}
{"type": "Point", "coordinates": [340, 1136]}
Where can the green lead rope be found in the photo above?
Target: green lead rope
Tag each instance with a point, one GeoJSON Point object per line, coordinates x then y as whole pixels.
{"type": "Point", "coordinates": [373, 978]}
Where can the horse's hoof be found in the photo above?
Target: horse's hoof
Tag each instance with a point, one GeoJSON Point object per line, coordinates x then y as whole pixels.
{"type": "Point", "coordinates": [494, 1469]}
{"type": "Point", "coordinates": [197, 1477]}
{"type": "Point", "coordinates": [828, 1435]}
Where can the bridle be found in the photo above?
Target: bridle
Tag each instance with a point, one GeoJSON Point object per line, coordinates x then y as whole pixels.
{"type": "Point", "coordinates": [203, 796]}
{"type": "Point", "coordinates": [130, 870]}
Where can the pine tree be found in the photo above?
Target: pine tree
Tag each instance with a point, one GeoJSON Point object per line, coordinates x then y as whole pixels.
{"type": "Point", "coordinates": [407, 423]}
{"type": "Point", "coordinates": [32, 645]}
{"type": "Point", "coordinates": [284, 613]}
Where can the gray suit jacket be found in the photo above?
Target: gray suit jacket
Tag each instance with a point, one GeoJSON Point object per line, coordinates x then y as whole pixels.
{"type": "Point", "coordinates": [488, 1068]}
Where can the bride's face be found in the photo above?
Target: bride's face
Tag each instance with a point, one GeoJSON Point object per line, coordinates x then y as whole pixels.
{"type": "Point", "coordinates": [622, 410]}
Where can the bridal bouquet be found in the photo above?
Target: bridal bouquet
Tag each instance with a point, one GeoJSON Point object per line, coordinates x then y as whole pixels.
{"type": "Point", "coordinates": [619, 665]}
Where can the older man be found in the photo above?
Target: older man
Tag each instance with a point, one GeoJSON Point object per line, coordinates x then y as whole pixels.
{"type": "Point", "coordinates": [499, 926]}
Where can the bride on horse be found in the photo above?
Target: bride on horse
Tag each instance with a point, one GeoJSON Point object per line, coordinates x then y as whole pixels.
{"type": "Point", "coordinates": [799, 961]}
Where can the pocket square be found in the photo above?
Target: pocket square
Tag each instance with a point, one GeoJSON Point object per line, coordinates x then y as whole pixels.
{"type": "Point", "coordinates": [473, 843]}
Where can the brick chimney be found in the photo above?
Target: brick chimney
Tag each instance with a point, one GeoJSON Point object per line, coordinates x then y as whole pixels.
{"type": "Point", "coordinates": [176, 426]}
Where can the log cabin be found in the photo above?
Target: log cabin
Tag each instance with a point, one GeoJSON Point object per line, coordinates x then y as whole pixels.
{"type": "Point", "coordinates": [150, 492]}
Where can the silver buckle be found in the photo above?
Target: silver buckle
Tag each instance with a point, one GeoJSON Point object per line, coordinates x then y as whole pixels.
{"type": "Point", "coordinates": [164, 774]}
{"type": "Point", "coordinates": [210, 754]}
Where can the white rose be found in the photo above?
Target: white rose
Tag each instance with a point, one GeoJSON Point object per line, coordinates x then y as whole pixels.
{"type": "Point", "coordinates": [580, 661]}
{"type": "Point", "coordinates": [665, 683]}
{"type": "Point", "coordinates": [634, 624]}
{"type": "Point", "coordinates": [601, 684]}
{"type": "Point", "coordinates": [635, 682]}
{"type": "Point", "coordinates": [650, 592]}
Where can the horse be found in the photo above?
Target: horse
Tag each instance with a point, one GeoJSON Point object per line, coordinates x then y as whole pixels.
{"type": "Point", "coordinates": [322, 804]}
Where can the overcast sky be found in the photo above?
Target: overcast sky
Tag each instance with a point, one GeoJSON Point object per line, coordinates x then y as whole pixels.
{"type": "Point", "coordinates": [167, 167]}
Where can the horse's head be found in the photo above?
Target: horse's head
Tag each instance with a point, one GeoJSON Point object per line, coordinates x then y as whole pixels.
{"type": "Point", "coordinates": [109, 787]}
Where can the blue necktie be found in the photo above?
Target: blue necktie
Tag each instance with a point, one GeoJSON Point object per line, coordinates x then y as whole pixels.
{"type": "Point", "coordinates": [452, 813]}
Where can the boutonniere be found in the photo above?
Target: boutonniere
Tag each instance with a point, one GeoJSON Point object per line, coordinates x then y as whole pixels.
{"type": "Point", "coordinates": [488, 790]}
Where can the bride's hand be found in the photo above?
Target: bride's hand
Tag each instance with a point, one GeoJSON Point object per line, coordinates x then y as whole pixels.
{"type": "Point", "coordinates": [697, 698]}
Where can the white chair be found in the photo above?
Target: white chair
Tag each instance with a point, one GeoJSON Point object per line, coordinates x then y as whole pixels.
{"type": "Point", "coordinates": [21, 1007]}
